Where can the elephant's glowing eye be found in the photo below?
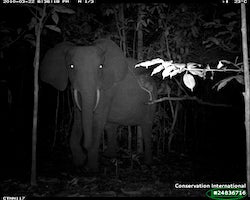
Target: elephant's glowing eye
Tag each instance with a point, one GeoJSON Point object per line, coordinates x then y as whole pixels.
{"type": "Point", "coordinates": [71, 66]}
{"type": "Point", "coordinates": [101, 66]}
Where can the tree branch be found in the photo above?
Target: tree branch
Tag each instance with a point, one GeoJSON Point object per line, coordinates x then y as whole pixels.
{"type": "Point", "coordinates": [184, 98]}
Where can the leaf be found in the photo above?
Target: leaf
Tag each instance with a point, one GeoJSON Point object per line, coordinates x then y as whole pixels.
{"type": "Point", "coordinates": [131, 193]}
{"type": "Point", "coordinates": [167, 63]}
{"type": "Point", "coordinates": [109, 12]}
{"type": "Point", "coordinates": [37, 8]}
{"type": "Point", "coordinates": [229, 15]}
{"type": "Point", "coordinates": [193, 65]}
{"type": "Point", "coordinates": [209, 24]}
{"type": "Point", "coordinates": [222, 33]}
{"type": "Point", "coordinates": [144, 23]}
{"type": "Point", "coordinates": [227, 62]}
{"type": "Point", "coordinates": [149, 21]}
{"type": "Point", "coordinates": [32, 23]}
{"type": "Point", "coordinates": [193, 69]}
{"type": "Point", "coordinates": [208, 45]}
{"type": "Point", "coordinates": [151, 62]}
{"type": "Point", "coordinates": [197, 72]}
{"type": "Point", "coordinates": [54, 28]}
{"type": "Point", "coordinates": [74, 181]}
{"type": "Point", "coordinates": [62, 9]}
{"type": "Point", "coordinates": [223, 82]}
{"type": "Point", "coordinates": [189, 81]}
{"type": "Point", "coordinates": [240, 79]}
{"type": "Point", "coordinates": [157, 69]}
{"type": "Point", "coordinates": [180, 65]}
{"type": "Point", "coordinates": [174, 72]}
{"type": "Point", "coordinates": [214, 40]}
{"type": "Point", "coordinates": [30, 38]}
{"type": "Point", "coordinates": [55, 17]}
{"type": "Point", "coordinates": [220, 65]}
{"type": "Point", "coordinates": [169, 70]}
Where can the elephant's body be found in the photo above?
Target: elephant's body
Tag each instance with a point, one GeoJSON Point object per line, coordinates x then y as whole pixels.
{"type": "Point", "coordinates": [130, 103]}
{"type": "Point", "coordinates": [124, 96]}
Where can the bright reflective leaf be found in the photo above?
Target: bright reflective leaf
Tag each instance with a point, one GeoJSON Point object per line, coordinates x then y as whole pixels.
{"type": "Point", "coordinates": [173, 73]}
{"type": "Point", "coordinates": [150, 62]}
{"type": "Point", "coordinates": [220, 65]}
{"type": "Point", "coordinates": [168, 70]}
{"type": "Point", "coordinates": [193, 65]}
{"type": "Point", "coordinates": [189, 81]}
{"type": "Point", "coordinates": [157, 69]}
{"type": "Point", "coordinates": [180, 65]}
{"type": "Point", "coordinates": [197, 72]}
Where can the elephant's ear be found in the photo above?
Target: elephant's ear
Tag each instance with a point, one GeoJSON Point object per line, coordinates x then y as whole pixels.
{"type": "Point", "coordinates": [53, 67]}
{"type": "Point", "coordinates": [114, 62]}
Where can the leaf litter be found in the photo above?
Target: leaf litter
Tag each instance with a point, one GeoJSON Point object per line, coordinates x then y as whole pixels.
{"type": "Point", "coordinates": [141, 181]}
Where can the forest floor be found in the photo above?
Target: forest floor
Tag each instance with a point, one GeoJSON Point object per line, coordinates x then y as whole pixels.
{"type": "Point", "coordinates": [116, 179]}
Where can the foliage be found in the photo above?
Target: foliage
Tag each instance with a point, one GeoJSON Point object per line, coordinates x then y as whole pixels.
{"type": "Point", "coordinates": [170, 69]}
{"type": "Point", "coordinates": [223, 65]}
{"type": "Point", "coordinates": [224, 32]}
{"type": "Point", "coordinates": [82, 27]}
{"type": "Point", "coordinates": [177, 27]}
{"type": "Point", "coordinates": [52, 11]}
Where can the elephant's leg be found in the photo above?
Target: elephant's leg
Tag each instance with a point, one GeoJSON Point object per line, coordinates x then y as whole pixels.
{"type": "Point", "coordinates": [75, 140]}
{"type": "Point", "coordinates": [93, 152]}
{"type": "Point", "coordinates": [112, 146]}
{"type": "Point", "coordinates": [147, 136]}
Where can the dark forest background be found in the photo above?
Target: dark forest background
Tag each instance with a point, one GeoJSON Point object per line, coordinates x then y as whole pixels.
{"type": "Point", "coordinates": [196, 141]}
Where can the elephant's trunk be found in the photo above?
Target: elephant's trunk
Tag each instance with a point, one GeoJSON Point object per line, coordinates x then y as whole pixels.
{"type": "Point", "coordinates": [77, 99]}
{"type": "Point", "coordinates": [87, 104]}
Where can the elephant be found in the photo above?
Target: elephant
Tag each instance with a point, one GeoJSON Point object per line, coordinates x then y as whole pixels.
{"type": "Point", "coordinates": [108, 92]}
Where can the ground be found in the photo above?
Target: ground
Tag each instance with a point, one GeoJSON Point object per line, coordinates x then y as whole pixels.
{"type": "Point", "coordinates": [116, 179]}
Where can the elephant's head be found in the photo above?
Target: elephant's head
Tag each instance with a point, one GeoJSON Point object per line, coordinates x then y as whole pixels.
{"type": "Point", "coordinates": [81, 65]}
{"type": "Point", "coordinates": [54, 67]}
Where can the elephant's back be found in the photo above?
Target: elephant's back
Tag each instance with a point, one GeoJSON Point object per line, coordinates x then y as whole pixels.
{"type": "Point", "coordinates": [129, 105]}
{"type": "Point", "coordinates": [130, 88]}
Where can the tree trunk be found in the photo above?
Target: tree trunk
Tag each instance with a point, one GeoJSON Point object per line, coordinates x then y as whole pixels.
{"type": "Point", "coordinates": [247, 90]}
{"type": "Point", "coordinates": [122, 28]}
{"type": "Point", "coordinates": [38, 30]}
{"type": "Point", "coordinates": [139, 58]}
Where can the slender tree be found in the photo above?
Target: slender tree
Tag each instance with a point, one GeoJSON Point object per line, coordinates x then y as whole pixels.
{"type": "Point", "coordinates": [247, 90]}
{"type": "Point", "coordinates": [139, 58]}
{"type": "Point", "coordinates": [38, 30]}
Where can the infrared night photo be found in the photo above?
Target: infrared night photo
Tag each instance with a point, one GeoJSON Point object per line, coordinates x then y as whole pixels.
{"type": "Point", "coordinates": [124, 99]}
